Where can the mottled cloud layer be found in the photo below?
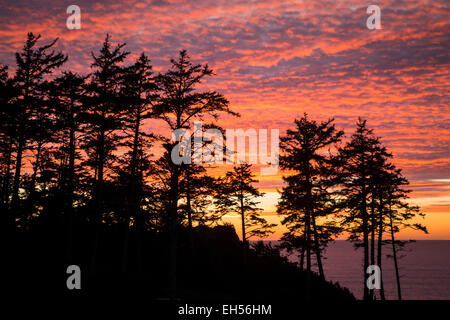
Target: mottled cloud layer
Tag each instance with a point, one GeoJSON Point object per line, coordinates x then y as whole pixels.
{"type": "Point", "coordinates": [276, 59]}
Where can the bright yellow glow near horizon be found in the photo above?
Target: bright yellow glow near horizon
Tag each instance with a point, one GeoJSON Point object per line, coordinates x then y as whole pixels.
{"type": "Point", "coordinates": [437, 221]}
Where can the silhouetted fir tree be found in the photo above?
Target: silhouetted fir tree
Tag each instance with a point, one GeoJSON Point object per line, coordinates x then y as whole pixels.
{"type": "Point", "coordinates": [8, 135]}
{"type": "Point", "coordinates": [42, 191]}
{"type": "Point", "coordinates": [138, 93]}
{"type": "Point", "coordinates": [307, 197]}
{"type": "Point", "coordinates": [33, 63]}
{"type": "Point", "coordinates": [379, 167]}
{"type": "Point", "coordinates": [377, 164]}
{"type": "Point", "coordinates": [237, 194]}
{"type": "Point", "coordinates": [383, 193]}
{"type": "Point", "coordinates": [179, 105]}
{"type": "Point", "coordinates": [357, 174]}
{"type": "Point", "coordinates": [66, 97]}
{"type": "Point", "coordinates": [400, 215]}
{"type": "Point", "coordinates": [103, 120]}
{"type": "Point", "coordinates": [369, 180]}
{"type": "Point", "coordinates": [198, 188]}
{"type": "Point", "coordinates": [154, 204]}
{"type": "Point", "coordinates": [43, 129]}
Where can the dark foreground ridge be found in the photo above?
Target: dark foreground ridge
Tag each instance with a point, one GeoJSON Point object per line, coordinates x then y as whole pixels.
{"type": "Point", "coordinates": [210, 267]}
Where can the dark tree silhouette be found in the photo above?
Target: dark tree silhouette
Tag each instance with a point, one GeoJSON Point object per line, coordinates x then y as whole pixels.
{"type": "Point", "coordinates": [198, 189]}
{"type": "Point", "coordinates": [179, 105]}
{"type": "Point", "coordinates": [399, 215]}
{"type": "Point", "coordinates": [369, 183]}
{"type": "Point", "coordinates": [66, 96]}
{"type": "Point", "coordinates": [138, 92]}
{"type": "Point", "coordinates": [306, 197]}
{"type": "Point", "coordinates": [8, 138]}
{"type": "Point", "coordinates": [237, 194]}
{"type": "Point", "coordinates": [103, 120]}
{"type": "Point", "coordinates": [379, 168]}
{"type": "Point", "coordinates": [33, 63]}
{"type": "Point", "coordinates": [356, 162]}
{"type": "Point", "coordinates": [42, 132]}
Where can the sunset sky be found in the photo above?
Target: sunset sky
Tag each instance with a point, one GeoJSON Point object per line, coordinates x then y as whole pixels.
{"type": "Point", "coordinates": [277, 59]}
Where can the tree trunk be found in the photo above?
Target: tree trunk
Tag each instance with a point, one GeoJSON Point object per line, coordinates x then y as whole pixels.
{"type": "Point", "coordinates": [70, 188]}
{"type": "Point", "coordinates": [308, 217]}
{"type": "Point", "coordinates": [16, 183]}
{"type": "Point", "coordinates": [6, 175]}
{"type": "Point", "coordinates": [312, 219]}
{"type": "Point", "coordinates": [366, 260]}
{"type": "Point", "coordinates": [32, 189]}
{"type": "Point", "coordinates": [317, 248]}
{"type": "Point", "coordinates": [173, 234]}
{"type": "Point", "coordinates": [188, 207]}
{"type": "Point", "coordinates": [126, 236]}
{"type": "Point", "coordinates": [132, 199]}
{"type": "Point", "coordinates": [189, 212]}
{"type": "Point", "coordinates": [308, 257]}
{"type": "Point", "coordinates": [379, 247]}
{"type": "Point", "coordinates": [394, 253]}
{"type": "Point", "coordinates": [138, 241]}
{"type": "Point", "coordinates": [244, 240]}
{"type": "Point", "coordinates": [372, 236]}
{"type": "Point", "coordinates": [6, 218]}
{"type": "Point", "coordinates": [98, 200]}
{"type": "Point", "coordinates": [365, 232]}
{"type": "Point", "coordinates": [302, 256]}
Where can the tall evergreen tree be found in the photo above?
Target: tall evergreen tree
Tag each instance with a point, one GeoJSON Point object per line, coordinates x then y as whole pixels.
{"type": "Point", "coordinates": [8, 134]}
{"type": "Point", "coordinates": [356, 157]}
{"type": "Point", "coordinates": [43, 138]}
{"type": "Point", "coordinates": [399, 215]}
{"type": "Point", "coordinates": [67, 97]}
{"type": "Point", "coordinates": [103, 120]}
{"type": "Point", "coordinates": [138, 94]}
{"type": "Point", "coordinates": [366, 177]}
{"type": "Point", "coordinates": [33, 63]}
{"type": "Point", "coordinates": [179, 104]}
{"type": "Point", "coordinates": [307, 196]}
{"type": "Point", "coordinates": [379, 169]}
{"type": "Point", "coordinates": [237, 194]}
{"type": "Point", "coordinates": [369, 183]}
{"type": "Point", "coordinates": [197, 188]}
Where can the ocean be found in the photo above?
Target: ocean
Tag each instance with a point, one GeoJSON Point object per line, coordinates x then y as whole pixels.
{"type": "Point", "coordinates": [424, 269]}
